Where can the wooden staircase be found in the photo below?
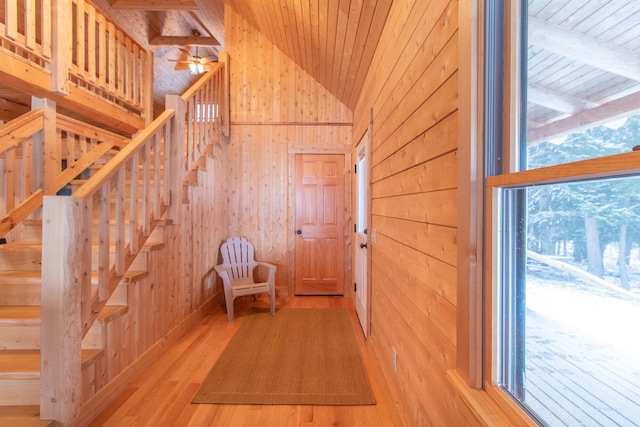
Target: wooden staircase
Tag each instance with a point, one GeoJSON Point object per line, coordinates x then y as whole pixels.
{"type": "Point", "coordinates": [71, 282]}
{"type": "Point", "coordinates": [20, 321]}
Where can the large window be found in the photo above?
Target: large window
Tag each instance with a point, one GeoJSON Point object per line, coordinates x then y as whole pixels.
{"type": "Point", "coordinates": [566, 213]}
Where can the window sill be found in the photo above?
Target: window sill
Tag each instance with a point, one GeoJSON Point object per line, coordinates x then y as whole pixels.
{"type": "Point", "coordinates": [490, 407]}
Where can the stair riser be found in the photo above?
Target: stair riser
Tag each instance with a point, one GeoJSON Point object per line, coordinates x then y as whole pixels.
{"type": "Point", "coordinates": [95, 338]}
{"type": "Point", "coordinates": [119, 296]}
{"type": "Point", "coordinates": [19, 392]}
{"type": "Point", "coordinates": [32, 260]}
{"type": "Point", "coordinates": [16, 293]}
{"type": "Point", "coordinates": [19, 337]}
{"type": "Point", "coordinates": [20, 260]}
{"type": "Point", "coordinates": [19, 294]}
{"type": "Point", "coordinates": [23, 389]}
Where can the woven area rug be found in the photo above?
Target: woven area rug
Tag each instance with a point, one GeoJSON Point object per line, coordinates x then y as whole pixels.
{"type": "Point", "coordinates": [297, 357]}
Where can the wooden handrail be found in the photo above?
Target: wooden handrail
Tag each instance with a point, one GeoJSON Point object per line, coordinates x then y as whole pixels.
{"type": "Point", "coordinates": [21, 212]}
{"type": "Point", "coordinates": [93, 184]}
{"type": "Point", "coordinates": [19, 128]}
{"type": "Point", "coordinates": [20, 187]}
{"type": "Point", "coordinates": [81, 128]}
{"type": "Point", "coordinates": [22, 146]}
{"type": "Point", "coordinates": [216, 67]}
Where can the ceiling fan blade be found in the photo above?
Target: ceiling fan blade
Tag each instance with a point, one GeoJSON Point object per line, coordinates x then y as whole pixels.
{"type": "Point", "coordinates": [212, 58]}
{"type": "Point", "coordinates": [185, 51]}
{"type": "Point", "coordinates": [181, 66]}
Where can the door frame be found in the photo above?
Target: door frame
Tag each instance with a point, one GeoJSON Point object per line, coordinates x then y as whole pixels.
{"type": "Point", "coordinates": [369, 232]}
{"type": "Point", "coordinates": [341, 149]}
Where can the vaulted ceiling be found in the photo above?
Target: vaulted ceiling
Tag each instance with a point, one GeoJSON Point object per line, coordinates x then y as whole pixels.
{"type": "Point", "coordinates": [583, 56]}
{"type": "Point", "coordinates": [333, 41]}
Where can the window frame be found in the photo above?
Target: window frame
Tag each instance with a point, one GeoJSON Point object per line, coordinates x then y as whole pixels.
{"type": "Point", "coordinates": [469, 341]}
{"type": "Point", "coordinates": [474, 345]}
{"type": "Point", "coordinates": [619, 165]}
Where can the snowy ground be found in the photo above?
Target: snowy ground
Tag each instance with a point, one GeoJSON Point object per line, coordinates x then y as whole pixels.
{"type": "Point", "coordinates": [582, 333]}
{"type": "Point", "coordinates": [602, 315]}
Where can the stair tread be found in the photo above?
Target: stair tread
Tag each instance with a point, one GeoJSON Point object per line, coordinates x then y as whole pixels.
{"type": "Point", "coordinates": [38, 222]}
{"type": "Point", "coordinates": [27, 274]}
{"type": "Point", "coordinates": [35, 275]}
{"type": "Point", "coordinates": [22, 361]}
{"type": "Point", "coordinates": [20, 246]}
{"type": "Point", "coordinates": [22, 416]}
{"type": "Point", "coordinates": [30, 246]}
{"type": "Point", "coordinates": [112, 312]}
{"type": "Point", "coordinates": [26, 363]}
{"type": "Point", "coordinates": [23, 288]}
{"type": "Point", "coordinates": [23, 314]}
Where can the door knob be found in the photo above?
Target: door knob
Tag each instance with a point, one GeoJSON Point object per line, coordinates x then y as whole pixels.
{"type": "Point", "coordinates": [363, 245]}
{"type": "Point", "coordinates": [298, 231]}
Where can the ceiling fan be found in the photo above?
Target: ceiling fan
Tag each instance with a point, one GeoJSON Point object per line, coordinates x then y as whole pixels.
{"type": "Point", "coordinates": [196, 64]}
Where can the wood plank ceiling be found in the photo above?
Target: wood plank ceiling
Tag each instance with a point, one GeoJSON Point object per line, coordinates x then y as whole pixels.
{"type": "Point", "coordinates": [583, 65]}
{"type": "Point", "coordinates": [334, 41]}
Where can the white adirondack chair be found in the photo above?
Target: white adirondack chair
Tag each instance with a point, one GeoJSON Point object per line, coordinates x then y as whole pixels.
{"type": "Point", "coordinates": [237, 270]}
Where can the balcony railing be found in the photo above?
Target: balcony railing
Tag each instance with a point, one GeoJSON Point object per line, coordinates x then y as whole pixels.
{"type": "Point", "coordinates": [76, 45]}
{"type": "Point", "coordinates": [105, 61]}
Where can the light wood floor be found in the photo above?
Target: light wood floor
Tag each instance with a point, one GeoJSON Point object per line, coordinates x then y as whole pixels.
{"type": "Point", "coordinates": [162, 395]}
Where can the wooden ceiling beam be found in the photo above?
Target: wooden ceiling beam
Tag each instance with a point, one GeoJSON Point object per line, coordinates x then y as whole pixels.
{"type": "Point", "coordinates": [557, 101]}
{"type": "Point", "coordinates": [211, 17]}
{"type": "Point", "coordinates": [584, 49]}
{"type": "Point", "coordinates": [154, 4]}
{"type": "Point", "coordinates": [612, 110]}
{"type": "Point", "coordinates": [184, 41]}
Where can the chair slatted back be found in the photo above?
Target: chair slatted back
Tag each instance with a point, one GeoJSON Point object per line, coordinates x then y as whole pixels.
{"type": "Point", "coordinates": [238, 257]}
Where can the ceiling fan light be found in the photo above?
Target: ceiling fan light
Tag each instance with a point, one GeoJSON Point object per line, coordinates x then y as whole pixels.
{"type": "Point", "coordinates": [193, 67]}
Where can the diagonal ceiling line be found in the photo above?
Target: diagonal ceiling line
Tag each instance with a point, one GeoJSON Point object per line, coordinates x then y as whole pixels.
{"type": "Point", "coordinates": [586, 49]}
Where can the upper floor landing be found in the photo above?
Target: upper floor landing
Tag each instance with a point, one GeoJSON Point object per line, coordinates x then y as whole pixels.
{"type": "Point", "coordinates": [70, 52]}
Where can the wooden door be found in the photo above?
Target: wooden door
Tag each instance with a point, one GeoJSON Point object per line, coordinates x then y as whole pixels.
{"type": "Point", "coordinates": [362, 252]}
{"type": "Point", "coordinates": [319, 246]}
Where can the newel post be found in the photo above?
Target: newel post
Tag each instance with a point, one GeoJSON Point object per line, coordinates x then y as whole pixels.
{"type": "Point", "coordinates": [177, 137]}
{"type": "Point", "coordinates": [63, 243]}
{"type": "Point", "coordinates": [52, 156]}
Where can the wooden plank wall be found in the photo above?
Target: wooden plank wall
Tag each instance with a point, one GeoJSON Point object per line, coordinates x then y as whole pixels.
{"type": "Point", "coordinates": [277, 109]}
{"type": "Point", "coordinates": [412, 87]}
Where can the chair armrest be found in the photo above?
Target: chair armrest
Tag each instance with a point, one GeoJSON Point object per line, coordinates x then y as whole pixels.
{"type": "Point", "coordinates": [222, 273]}
{"type": "Point", "coordinates": [271, 278]}
{"type": "Point", "coordinates": [266, 264]}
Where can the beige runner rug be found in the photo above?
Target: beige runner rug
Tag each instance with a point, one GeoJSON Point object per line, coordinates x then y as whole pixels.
{"type": "Point", "coordinates": [297, 357]}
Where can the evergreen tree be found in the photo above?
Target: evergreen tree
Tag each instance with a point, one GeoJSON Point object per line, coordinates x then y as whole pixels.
{"type": "Point", "coordinates": [589, 214]}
